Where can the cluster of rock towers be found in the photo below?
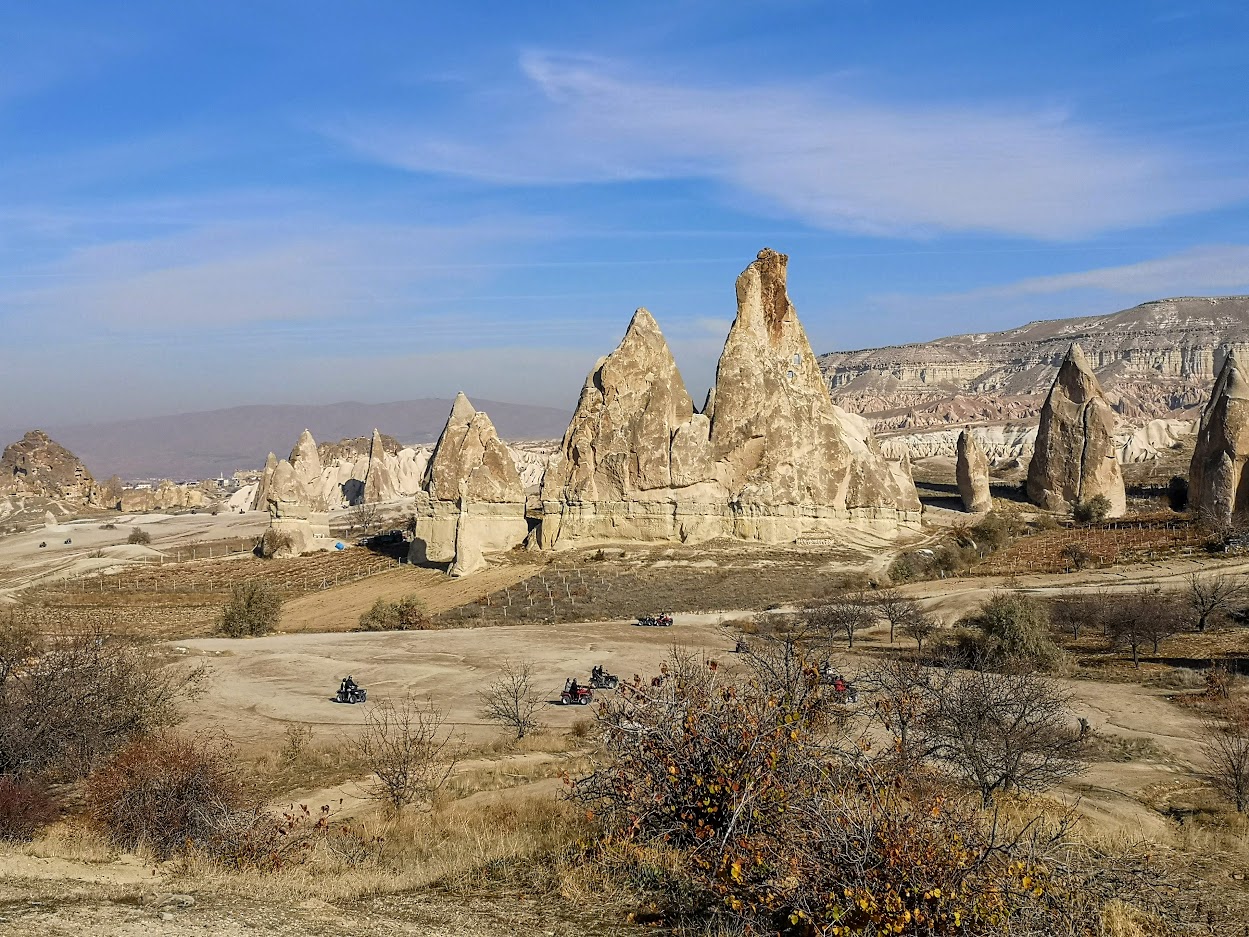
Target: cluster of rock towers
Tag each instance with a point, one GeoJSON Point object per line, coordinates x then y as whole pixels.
{"type": "Point", "coordinates": [768, 458]}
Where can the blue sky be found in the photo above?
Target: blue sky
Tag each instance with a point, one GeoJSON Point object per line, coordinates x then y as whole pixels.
{"type": "Point", "coordinates": [207, 204]}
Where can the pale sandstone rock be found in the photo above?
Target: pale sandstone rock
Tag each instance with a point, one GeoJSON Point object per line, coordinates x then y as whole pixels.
{"type": "Point", "coordinates": [472, 500]}
{"type": "Point", "coordinates": [791, 462]}
{"type": "Point", "coordinates": [769, 458]}
{"type": "Point", "coordinates": [1074, 459]}
{"type": "Point", "coordinates": [37, 466]}
{"type": "Point", "coordinates": [1218, 488]}
{"type": "Point", "coordinates": [972, 473]}
{"type": "Point", "coordinates": [379, 485]}
{"type": "Point", "coordinates": [635, 461]}
{"type": "Point", "coordinates": [306, 462]}
{"type": "Point", "coordinates": [291, 516]}
{"type": "Point", "coordinates": [261, 501]}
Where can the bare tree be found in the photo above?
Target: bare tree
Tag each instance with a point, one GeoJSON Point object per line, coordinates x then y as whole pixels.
{"type": "Point", "coordinates": [1078, 611]}
{"type": "Point", "coordinates": [1226, 747]}
{"type": "Point", "coordinates": [845, 615]}
{"type": "Point", "coordinates": [895, 608]}
{"type": "Point", "coordinates": [511, 701]}
{"type": "Point", "coordinates": [1210, 596]}
{"type": "Point", "coordinates": [1004, 732]}
{"type": "Point", "coordinates": [902, 695]}
{"type": "Point", "coordinates": [1142, 617]}
{"type": "Point", "coordinates": [363, 517]}
{"type": "Point", "coordinates": [919, 627]}
{"type": "Point", "coordinates": [406, 748]}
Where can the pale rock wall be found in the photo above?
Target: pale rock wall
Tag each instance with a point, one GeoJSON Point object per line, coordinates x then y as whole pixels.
{"type": "Point", "coordinates": [1218, 486]}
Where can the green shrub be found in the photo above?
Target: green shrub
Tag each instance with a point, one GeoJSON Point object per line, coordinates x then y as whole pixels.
{"type": "Point", "coordinates": [254, 609]}
{"type": "Point", "coordinates": [1010, 630]}
{"type": "Point", "coordinates": [1092, 511]}
{"type": "Point", "coordinates": [408, 614]}
{"type": "Point", "coordinates": [139, 535]}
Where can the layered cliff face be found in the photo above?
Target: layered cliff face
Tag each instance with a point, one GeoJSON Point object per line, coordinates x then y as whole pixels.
{"type": "Point", "coordinates": [1218, 488]}
{"type": "Point", "coordinates": [770, 458]}
{"type": "Point", "coordinates": [1155, 360]}
{"type": "Point", "coordinates": [472, 500]}
{"type": "Point", "coordinates": [1075, 458]}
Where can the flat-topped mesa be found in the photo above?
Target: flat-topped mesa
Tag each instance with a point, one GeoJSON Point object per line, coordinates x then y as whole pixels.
{"type": "Point", "coordinates": [1074, 459]}
{"type": "Point", "coordinates": [472, 500]}
{"type": "Point", "coordinates": [971, 471]}
{"type": "Point", "coordinates": [789, 459]}
{"type": "Point", "coordinates": [1218, 487]}
{"type": "Point", "coordinates": [634, 463]}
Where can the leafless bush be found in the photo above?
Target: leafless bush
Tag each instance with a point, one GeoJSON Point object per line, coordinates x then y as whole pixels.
{"type": "Point", "coordinates": [362, 518]}
{"type": "Point", "coordinates": [273, 542]}
{"type": "Point", "coordinates": [25, 807]}
{"type": "Point", "coordinates": [731, 806]}
{"type": "Point", "coordinates": [1004, 732]}
{"type": "Point", "coordinates": [69, 702]}
{"type": "Point", "coordinates": [167, 792]}
{"type": "Point", "coordinates": [404, 745]}
{"type": "Point", "coordinates": [903, 694]}
{"type": "Point", "coordinates": [254, 609]}
{"type": "Point", "coordinates": [511, 700]}
{"type": "Point", "coordinates": [896, 609]}
{"type": "Point", "coordinates": [1226, 747]}
{"type": "Point", "coordinates": [1078, 612]}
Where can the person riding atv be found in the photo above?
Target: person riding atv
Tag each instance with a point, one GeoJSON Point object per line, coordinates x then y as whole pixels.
{"type": "Point", "coordinates": [351, 692]}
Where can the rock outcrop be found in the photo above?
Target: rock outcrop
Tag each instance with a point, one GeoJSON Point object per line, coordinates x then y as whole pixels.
{"type": "Point", "coordinates": [1075, 458]}
{"type": "Point", "coordinates": [471, 500]}
{"type": "Point", "coordinates": [1218, 487]}
{"type": "Point", "coordinates": [972, 473]}
{"type": "Point", "coordinates": [38, 467]}
{"type": "Point", "coordinates": [770, 458]}
{"type": "Point", "coordinates": [635, 463]}
{"type": "Point", "coordinates": [379, 482]}
{"type": "Point", "coordinates": [295, 527]}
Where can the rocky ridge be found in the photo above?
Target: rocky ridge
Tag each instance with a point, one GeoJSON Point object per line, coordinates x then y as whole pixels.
{"type": "Point", "coordinates": [1155, 360]}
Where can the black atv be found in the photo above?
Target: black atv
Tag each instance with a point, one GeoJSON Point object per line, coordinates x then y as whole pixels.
{"type": "Point", "coordinates": [350, 692]}
{"type": "Point", "coordinates": [600, 679]}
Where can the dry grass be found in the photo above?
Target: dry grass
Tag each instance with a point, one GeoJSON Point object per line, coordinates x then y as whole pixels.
{"type": "Point", "coordinates": [459, 846]}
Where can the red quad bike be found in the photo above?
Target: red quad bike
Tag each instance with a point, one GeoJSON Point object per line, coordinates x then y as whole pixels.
{"type": "Point", "coordinates": [575, 692]}
{"type": "Point", "coordinates": [662, 620]}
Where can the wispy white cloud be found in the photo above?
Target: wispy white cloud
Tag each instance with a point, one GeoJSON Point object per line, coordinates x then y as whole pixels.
{"type": "Point", "coordinates": [1200, 271]}
{"type": "Point", "coordinates": [826, 158]}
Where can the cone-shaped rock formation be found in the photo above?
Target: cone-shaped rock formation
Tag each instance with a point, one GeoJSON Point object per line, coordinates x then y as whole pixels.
{"type": "Point", "coordinates": [972, 472]}
{"type": "Point", "coordinates": [1218, 487]}
{"type": "Point", "coordinates": [1075, 459]}
{"type": "Point", "coordinates": [770, 457]}
{"type": "Point", "coordinates": [472, 499]}
{"type": "Point", "coordinates": [379, 483]}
